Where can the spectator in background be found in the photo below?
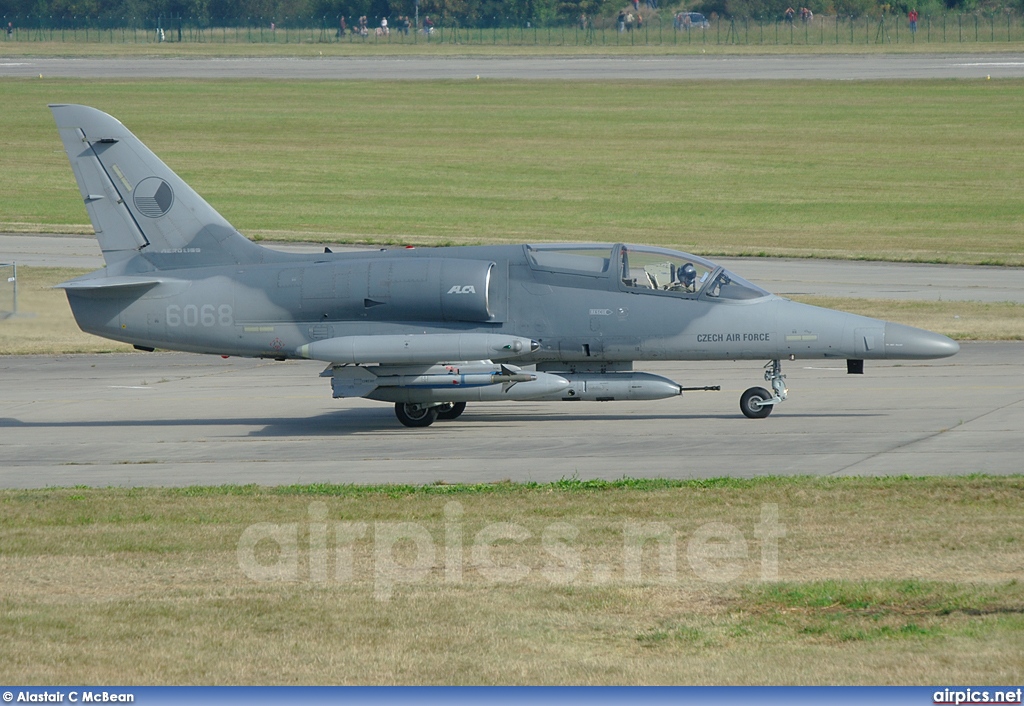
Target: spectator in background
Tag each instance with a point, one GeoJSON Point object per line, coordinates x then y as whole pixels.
{"type": "Point", "coordinates": [789, 15]}
{"type": "Point", "coordinates": [622, 20]}
{"type": "Point", "coordinates": [912, 16]}
{"type": "Point", "coordinates": [10, 30]}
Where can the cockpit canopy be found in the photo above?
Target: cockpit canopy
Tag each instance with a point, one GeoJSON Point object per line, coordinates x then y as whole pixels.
{"type": "Point", "coordinates": [646, 269]}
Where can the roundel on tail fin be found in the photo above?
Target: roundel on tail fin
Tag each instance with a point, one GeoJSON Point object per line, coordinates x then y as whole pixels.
{"type": "Point", "coordinates": [153, 197]}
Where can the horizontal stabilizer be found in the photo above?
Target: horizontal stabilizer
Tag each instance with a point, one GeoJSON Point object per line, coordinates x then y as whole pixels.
{"type": "Point", "coordinates": [112, 283]}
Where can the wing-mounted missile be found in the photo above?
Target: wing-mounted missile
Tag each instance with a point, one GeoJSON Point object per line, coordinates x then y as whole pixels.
{"type": "Point", "coordinates": [417, 348]}
{"type": "Point", "coordinates": [456, 378]}
{"type": "Point", "coordinates": [443, 383]}
{"type": "Point", "coordinates": [351, 381]}
{"type": "Point", "coordinates": [539, 386]}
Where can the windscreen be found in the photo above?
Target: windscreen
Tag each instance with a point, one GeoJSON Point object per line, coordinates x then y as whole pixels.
{"type": "Point", "coordinates": [660, 270]}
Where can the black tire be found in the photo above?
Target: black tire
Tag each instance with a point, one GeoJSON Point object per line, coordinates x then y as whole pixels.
{"type": "Point", "coordinates": [451, 410]}
{"type": "Point", "coordinates": [751, 403]}
{"type": "Point", "coordinates": [414, 415]}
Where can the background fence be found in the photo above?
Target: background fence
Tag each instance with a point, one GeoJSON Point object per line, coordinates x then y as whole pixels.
{"type": "Point", "coordinates": [886, 29]}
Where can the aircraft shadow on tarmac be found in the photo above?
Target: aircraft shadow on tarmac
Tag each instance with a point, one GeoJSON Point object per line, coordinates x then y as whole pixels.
{"type": "Point", "coordinates": [356, 421]}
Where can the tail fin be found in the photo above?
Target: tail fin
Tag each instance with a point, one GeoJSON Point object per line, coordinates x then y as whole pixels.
{"type": "Point", "coordinates": [137, 205]}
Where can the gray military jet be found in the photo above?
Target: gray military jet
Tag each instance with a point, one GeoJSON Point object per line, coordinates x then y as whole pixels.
{"type": "Point", "coordinates": [434, 328]}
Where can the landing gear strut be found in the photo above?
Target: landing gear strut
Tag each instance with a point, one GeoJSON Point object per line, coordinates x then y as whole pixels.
{"type": "Point", "coordinates": [757, 402]}
{"type": "Point", "coordinates": [451, 410]}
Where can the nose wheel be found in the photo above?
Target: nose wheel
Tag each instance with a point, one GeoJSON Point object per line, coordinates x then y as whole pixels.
{"type": "Point", "coordinates": [754, 403]}
{"type": "Point", "coordinates": [757, 402]}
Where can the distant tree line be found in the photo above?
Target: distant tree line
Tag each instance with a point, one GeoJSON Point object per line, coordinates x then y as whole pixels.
{"type": "Point", "coordinates": [476, 13]}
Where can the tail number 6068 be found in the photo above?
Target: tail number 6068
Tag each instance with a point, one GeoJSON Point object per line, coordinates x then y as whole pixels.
{"type": "Point", "coordinates": [207, 315]}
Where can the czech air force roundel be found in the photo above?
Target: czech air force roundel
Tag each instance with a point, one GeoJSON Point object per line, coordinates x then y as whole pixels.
{"type": "Point", "coordinates": [153, 197]}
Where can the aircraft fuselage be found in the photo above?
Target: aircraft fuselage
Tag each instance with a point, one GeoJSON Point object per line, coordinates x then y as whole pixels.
{"type": "Point", "coordinates": [274, 308]}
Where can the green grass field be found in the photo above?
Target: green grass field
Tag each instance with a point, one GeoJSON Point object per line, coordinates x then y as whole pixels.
{"type": "Point", "coordinates": [885, 581]}
{"type": "Point", "coordinates": [922, 170]}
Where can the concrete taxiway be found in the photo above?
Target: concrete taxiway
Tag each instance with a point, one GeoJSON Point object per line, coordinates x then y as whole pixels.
{"type": "Point", "coordinates": [633, 68]}
{"type": "Point", "coordinates": [174, 419]}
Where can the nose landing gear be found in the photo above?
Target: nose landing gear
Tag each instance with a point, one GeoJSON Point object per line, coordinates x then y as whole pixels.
{"type": "Point", "coordinates": [757, 402]}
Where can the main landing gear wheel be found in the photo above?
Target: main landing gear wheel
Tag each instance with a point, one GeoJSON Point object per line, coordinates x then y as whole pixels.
{"type": "Point", "coordinates": [414, 415]}
{"type": "Point", "coordinates": [752, 403]}
{"type": "Point", "coordinates": [451, 410]}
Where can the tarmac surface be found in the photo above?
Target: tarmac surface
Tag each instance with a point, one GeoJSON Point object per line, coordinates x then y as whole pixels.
{"type": "Point", "coordinates": [175, 419]}
{"type": "Point", "coordinates": [703, 67]}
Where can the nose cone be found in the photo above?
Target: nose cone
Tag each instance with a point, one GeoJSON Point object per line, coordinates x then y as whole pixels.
{"type": "Point", "coordinates": [914, 343]}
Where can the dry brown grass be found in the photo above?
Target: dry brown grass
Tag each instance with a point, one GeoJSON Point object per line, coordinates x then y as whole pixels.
{"type": "Point", "coordinates": [879, 581]}
{"type": "Point", "coordinates": [44, 323]}
{"type": "Point", "coordinates": [974, 321]}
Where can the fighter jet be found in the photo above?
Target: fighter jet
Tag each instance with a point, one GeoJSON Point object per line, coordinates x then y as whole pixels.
{"type": "Point", "coordinates": [430, 329]}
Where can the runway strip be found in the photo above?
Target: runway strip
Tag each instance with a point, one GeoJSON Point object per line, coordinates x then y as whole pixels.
{"type": "Point", "coordinates": [174, 419]}
{"type": "Point", "coordinates": [419, 68]}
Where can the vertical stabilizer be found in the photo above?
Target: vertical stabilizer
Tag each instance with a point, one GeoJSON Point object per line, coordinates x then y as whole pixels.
{"type": "Point", "coordinates": [137, 205]}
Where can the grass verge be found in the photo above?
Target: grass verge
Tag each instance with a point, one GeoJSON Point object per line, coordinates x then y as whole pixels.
{"type": "Point", "coordinates": [44, 324]}
{"type": "Point", "coordinates": [886, 580]}
{"type": "Point", "coordinates": [963, 321]}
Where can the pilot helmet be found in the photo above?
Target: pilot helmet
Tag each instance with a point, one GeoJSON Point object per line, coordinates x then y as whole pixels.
{"type": "Point", "coordinates": [687, 274]}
